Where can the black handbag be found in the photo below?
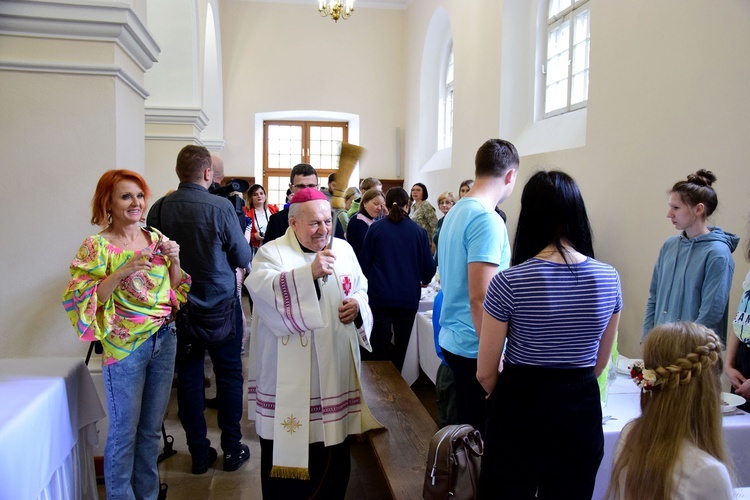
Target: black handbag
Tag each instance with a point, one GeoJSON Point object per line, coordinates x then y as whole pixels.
{"type": "Point", "coordinates": [212, 326]}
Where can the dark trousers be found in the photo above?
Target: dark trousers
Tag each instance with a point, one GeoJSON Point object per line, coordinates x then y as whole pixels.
{"type": "Point", "coordinates": [470, 396]}
{"type": "Point", "coordinates": [329, 474]}
{"type": "Point", "coordinates": [528, 454]}
{"type": "Point", "coordinates": [388, 322]}
{"type": "Point", "coordinates": [190, 392]}
{"type": "Point", "coordinates": [445, 387]}
{"type": "Point", "coordinates": [742, 364]}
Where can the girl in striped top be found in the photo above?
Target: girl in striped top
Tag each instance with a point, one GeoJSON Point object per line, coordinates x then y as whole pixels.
{"type": "Point", "coordinates": [558, 309]}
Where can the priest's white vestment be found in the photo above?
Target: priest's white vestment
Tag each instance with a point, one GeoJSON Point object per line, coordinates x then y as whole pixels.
{"type": "Point", "coordinates": [304, 364]}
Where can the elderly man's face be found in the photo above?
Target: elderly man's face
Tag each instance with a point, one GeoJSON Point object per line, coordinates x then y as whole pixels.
{"type": "Point", "coordinates": [312, 225]}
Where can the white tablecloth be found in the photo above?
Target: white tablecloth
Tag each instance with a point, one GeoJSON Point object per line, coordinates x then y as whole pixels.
{"type": "Point", "coordinates": [48, 420]}
{"type": "Point", "coordinates": [421, 350]}
{"type": "Point", "coordinates": [623, 403]}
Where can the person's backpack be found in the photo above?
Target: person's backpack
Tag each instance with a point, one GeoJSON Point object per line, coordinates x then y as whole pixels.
{"type": "Point", "coordinates": [453, 463]}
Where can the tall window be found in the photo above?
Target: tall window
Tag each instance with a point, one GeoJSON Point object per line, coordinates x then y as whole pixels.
{"type": "Point", "coordinates": [287, 143]}
{"type": "Point", "coordinates": [567, 63]}
{"type": "Point", "coordinates": [445, 113]}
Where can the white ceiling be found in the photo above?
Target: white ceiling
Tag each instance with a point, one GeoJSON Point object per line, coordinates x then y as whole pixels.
{"type": "Point", "coordinates": [371, 4]}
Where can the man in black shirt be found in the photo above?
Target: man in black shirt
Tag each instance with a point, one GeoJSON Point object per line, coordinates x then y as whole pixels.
{"type": "Point", "coordinates": [212, 247]}
{"type": "Point", "coordinates": [302, 176]}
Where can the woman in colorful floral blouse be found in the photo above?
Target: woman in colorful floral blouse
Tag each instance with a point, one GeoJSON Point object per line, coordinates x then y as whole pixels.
{"type": "Point", "coordinates": [125, 288]}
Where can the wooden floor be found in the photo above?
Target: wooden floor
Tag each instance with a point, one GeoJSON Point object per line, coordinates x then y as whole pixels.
{"type": "Point", "coordinates": [366, 481]}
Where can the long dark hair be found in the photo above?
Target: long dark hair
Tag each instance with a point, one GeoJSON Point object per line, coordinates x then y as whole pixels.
{"type": "Point", "coordinates": [552, 210]}
{"type": "Point", "coordinates": [395, 200]}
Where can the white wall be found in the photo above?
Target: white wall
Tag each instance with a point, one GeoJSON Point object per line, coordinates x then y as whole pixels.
{"type": "Point", "coordinates": [668, 96]}
{"type": "Point", "coordinates": [72, 108]}
{"type": "Point", "coordinates": [282, 57]}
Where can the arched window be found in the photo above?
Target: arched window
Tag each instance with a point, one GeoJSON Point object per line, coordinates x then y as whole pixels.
{"type": "Point", "coordinates": [566, 71]}
{"type": "Point", "coordinates": [445, 111]}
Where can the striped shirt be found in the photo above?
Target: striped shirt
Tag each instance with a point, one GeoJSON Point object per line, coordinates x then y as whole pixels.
{"type": "Point", "coordinates": [555, 317]}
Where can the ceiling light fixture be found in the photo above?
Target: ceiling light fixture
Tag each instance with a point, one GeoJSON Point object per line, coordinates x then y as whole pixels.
{"type": "Point", "coordinates": [336, 8]}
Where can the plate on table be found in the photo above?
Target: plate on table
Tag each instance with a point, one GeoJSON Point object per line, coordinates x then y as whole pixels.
{"type": "Point", "coordinates": [730, 402]}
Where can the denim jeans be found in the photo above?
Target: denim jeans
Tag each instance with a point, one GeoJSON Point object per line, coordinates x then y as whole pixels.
{"type": "Point", "coordinates": [190, 391]}
{"type": "Point", "coordinates": [137, 389]}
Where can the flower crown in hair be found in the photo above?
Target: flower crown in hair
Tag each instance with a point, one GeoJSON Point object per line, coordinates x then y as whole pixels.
{"type": "Point", "coordinates": [643, 377]}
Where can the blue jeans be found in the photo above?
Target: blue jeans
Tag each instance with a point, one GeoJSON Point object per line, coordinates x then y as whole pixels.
{"type": "Point", "coordinates": [190, 391]}
{"type": "Point", "coordinates": [137, 389]}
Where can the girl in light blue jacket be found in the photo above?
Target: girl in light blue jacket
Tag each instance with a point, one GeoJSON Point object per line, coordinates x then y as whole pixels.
{"type": "Point", "coordinates": [693, 274]}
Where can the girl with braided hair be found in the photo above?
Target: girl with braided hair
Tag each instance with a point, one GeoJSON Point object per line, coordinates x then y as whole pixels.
{"type": "Point", "coordinates": [675, 449]}
{"type": "Point", "coordinates": [693, 273]}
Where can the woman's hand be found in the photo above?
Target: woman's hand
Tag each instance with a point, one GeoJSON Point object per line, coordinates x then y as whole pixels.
{"type": "Point", "coordinates": [172, 250]}
{"type": "Point", "coordinates": [737, 380]}
{"type": "Point", "coordinates": [744, 390]}
{"type": "Point", "coordinates": [258, 236]}
{"type": "Point", "coordinates": [141, 261]}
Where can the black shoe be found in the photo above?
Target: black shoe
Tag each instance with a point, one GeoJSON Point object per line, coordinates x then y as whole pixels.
{"type": "Point", "coordinates": [201, 465]}
{"type": "Point", "coordinates": [233, 461]}
{"type": "Point", "coordinates": [212, 403]}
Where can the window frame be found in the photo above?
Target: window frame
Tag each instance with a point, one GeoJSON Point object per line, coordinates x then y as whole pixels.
{"type": "Point", "coordinates": [445, 101]}
{"type": "Point", "coordinates": [569, 15]}
{"type": "Point", "coordinates": [306, 125]}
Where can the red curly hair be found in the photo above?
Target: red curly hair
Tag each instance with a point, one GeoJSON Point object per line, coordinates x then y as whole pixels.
{"type": "Point", "coordinates": [104, 189]}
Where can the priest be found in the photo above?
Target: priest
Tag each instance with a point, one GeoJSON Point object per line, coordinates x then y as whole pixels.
{"type": "Point", "coordinates": [310, 316]}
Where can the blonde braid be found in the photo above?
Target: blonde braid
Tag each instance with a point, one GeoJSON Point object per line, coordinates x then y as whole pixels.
{"type": "Point", "coordinates": [682, 371]}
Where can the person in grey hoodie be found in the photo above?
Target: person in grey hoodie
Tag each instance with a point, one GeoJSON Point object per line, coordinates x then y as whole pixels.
{"type": "Point", "coordinates": [693, 273]}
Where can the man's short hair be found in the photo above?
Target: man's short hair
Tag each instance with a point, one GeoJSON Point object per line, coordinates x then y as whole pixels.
{"type": "Point", "coordinates": [303, 169]}
{"type": "Point", "coordinates": [494, 158]}
{"type": "Point", "coordinates": [331, 178]}
{"type": "Point", "coordinates": [192, 160]}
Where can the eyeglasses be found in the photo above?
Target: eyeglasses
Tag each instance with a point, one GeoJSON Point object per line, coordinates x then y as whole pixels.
{"type": "Point", "coordinates": [303, 186]}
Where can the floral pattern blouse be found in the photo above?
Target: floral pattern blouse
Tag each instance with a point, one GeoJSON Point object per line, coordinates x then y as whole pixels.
{"type": "Point", "coordinates": [425, 216]}
{"type": "Point", "coordinates": [135, 310]}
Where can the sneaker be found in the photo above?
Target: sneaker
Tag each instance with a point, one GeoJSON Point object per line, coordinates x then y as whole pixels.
{"type": "Point", "coordinates": [233, 461]}
{"type": "Point", "coordinates": [201, 465]}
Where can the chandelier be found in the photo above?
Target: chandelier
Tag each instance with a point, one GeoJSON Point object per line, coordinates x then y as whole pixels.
{"type": "Point", "coordinates": [336, 8]}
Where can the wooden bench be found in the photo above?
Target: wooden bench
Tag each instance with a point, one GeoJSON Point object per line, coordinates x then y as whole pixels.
{"type": "Point", "coordinates": [401, 448]}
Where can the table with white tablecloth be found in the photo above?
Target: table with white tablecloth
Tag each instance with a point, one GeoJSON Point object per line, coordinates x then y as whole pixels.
{"type": "Point", "coordinates": [420, 353]}
{"type": "Point", "coordinates": [623, 403]}
{"type": "Point", "coordinates": [47, 427]}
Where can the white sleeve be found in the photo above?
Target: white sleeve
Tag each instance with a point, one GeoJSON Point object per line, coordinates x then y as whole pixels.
{"type": "Point", "coordinates": [707, 481]}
